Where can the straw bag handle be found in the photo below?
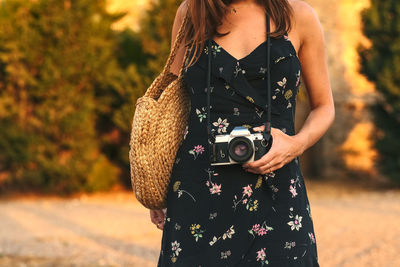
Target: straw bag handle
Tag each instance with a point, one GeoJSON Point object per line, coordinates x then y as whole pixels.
{"type": "Point", "coordinates": [164, 78]}
{"type": "Point", "coordinates": [177, 42]}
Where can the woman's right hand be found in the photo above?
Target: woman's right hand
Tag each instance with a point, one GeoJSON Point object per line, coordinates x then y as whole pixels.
{"type": "Point", "coordinates": [157, 217]}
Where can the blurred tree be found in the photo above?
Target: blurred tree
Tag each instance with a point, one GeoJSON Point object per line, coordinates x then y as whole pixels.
{"type": "Point", "coordinates": [56, 60]}
{"type": "Point", "coordinates": [142, 55]}
{"type": "Point", "coordinates": [381, 65]}
{"type": "Point", "coordinates": [155, 33]}
{"type": "Point", "coordinates": [68, 84]}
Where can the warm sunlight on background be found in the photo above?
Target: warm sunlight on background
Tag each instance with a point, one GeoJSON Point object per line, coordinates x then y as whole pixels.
{"type": "Point", "coordinates": [70, 75]}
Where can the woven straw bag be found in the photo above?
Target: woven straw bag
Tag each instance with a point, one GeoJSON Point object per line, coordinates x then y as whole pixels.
{"type": "Point", "coordinates": [158, 127]}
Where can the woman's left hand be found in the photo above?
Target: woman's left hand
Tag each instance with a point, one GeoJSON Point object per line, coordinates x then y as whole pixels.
{"type": "Point", "coordinates": [284, 149]}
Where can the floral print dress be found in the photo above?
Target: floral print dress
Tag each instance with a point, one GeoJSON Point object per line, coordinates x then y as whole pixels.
{"type": "Point", "coordinates": [222, 215]}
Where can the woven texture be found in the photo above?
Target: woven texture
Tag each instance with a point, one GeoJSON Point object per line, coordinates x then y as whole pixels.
{"type": "Point", "coordinates": [158, 126]}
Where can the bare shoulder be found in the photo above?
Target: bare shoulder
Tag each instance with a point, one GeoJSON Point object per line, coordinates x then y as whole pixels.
{"type": "Point", "coordinates": [306, 20]}
{"type": "Point", "coordinates": [182, 9]}
{"type": "Point", "coordinates": [179, 16]}
{"type": "Point", "coordinates": [303, 11]}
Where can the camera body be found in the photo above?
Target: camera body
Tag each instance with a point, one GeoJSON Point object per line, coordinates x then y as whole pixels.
{"type": "Point", "coordinates": [238, 147]}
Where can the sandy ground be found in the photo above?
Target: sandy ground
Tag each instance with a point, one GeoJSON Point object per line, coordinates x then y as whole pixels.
{"type": "Point", "coordinates": [354, 227]}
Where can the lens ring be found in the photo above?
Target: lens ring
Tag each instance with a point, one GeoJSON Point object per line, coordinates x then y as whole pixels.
{"type": "Point", "coordinates": [232, 145]}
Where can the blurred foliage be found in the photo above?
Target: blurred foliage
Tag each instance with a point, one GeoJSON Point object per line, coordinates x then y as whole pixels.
{"type": "Point", "coordinates": [67, 88]}
{"type": "Point", "coordinates": [156, 27]}
{"type": "Point", "coordinates": [381, 65]}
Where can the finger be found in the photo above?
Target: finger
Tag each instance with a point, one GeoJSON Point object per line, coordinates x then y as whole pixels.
{"type": "Point", "coordinates": [268, 157]}
{"type": "Point", "coordinates": [152, 216]}
{"type": "Point", "coordinates": [272, 163]}
{"type": "Point", "coordinates": [157, 216]}
{"type": "Point", "coordinates": [259, 128]}
{"type": "Point", "coordinates": [160, 226]}
{"type": "Point", "coordinates": [159, 213]}
{"type": "Point", "coordinates": [265, 166]}
{"type": "Point", "coordinates": [272, 167]}
{"type": "Point", "coordinates": [255, 171]}
{"type": "Point", "coordinates": [255, 166]}
{"type": "Point", "coordinates": [275, 130]}
{"type": "Point", "coordinates": [269, 168]}
{"type": "Point", "coordinates": [160, 220]}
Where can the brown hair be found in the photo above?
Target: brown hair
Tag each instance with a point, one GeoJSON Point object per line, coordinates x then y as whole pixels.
{"type": "Point", "coordinates": [206, 15]}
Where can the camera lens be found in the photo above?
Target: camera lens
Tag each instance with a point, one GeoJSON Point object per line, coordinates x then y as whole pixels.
{"type": "Point", "coordinates": [240, 149]}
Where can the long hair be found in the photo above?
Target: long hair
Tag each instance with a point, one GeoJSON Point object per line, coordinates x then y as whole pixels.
{"type": "Point", "coordinates": [206, 15]}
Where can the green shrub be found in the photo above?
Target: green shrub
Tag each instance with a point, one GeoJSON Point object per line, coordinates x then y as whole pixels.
{"type": "Point", "coordinates": [381, 65]}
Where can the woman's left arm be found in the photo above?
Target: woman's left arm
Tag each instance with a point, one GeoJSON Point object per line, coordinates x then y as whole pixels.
{"type": "Point", "coordinates": [315, 75]}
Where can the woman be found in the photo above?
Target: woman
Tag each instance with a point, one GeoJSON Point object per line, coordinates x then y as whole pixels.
{"type": "Point", "coordinates": [256, 213]}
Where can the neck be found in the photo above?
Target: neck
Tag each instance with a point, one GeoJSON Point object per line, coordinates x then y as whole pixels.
{"type": "Point", "coordinates": [244, 2]}
{"type": "Point", "coordinates": [240, 5]}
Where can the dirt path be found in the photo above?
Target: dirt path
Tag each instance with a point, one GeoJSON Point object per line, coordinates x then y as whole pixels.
{"type": "Point", "coordinates": [353, 228]}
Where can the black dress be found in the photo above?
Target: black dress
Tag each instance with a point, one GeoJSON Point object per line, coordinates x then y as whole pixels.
{"type": "Point", "coordinates": [223, 215]}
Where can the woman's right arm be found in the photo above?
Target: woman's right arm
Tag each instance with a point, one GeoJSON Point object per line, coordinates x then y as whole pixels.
{"type": "Point", "coordinates": [179, 16]}
{"type": "Point", "coordinates": [157, 216]}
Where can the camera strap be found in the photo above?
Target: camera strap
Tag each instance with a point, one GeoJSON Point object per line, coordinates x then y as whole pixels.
{"type": "Point", "coordinates": [267, 125]}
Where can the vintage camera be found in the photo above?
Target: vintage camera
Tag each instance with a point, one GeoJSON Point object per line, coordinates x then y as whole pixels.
{"type": "Point", "coordinates": [238, 147]}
